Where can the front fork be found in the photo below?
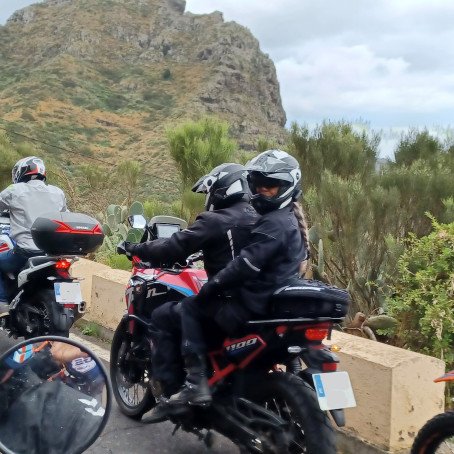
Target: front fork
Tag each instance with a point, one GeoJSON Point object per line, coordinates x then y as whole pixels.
{"type": "Point", "coordinates": [318, 359]}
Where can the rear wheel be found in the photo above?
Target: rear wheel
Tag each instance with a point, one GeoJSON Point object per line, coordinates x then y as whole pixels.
{"type": "Point", "coordinates": [130, 373]}
{"type": "Point", "coordinates": [295, 401]}
{"type": "Point", "coordinates": [436, 436]}
{"type": "Point", "coordinates": [36, 316]}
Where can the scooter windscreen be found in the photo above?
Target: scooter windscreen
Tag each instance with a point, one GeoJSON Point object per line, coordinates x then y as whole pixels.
{"type": "Point", "coordinates": [55, 397]}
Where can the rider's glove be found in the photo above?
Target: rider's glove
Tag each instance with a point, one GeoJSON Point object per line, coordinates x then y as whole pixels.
{"type": "Point", "coordinates": [127, 248]}
{"type": "Point", "coordinates": [209, 290]}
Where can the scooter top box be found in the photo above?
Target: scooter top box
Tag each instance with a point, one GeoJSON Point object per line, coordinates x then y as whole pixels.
{"type": "Point", "coordinates": [66, 233]}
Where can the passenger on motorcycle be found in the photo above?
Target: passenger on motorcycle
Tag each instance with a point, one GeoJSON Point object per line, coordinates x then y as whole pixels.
{"type": "Point", "coordinates": [26, 199]}
{"type": "Point", "coordinates": [220, 232]}
{"type": "Point", "coordinates": [275, 251]}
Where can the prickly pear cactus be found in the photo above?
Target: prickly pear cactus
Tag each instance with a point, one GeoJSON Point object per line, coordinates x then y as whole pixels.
{"type": "Point", "coordinates": [116, 228]}
{"type": "Point", "coordinates": [136, 208]}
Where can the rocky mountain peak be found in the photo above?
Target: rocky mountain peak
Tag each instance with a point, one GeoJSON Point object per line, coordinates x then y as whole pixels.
{"type": "Point", "coordinates": [145, 59]}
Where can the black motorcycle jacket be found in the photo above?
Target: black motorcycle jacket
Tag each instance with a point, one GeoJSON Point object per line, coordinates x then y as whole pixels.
{"type": "Point", "coordinates": [220, 234]}
{"type": "Point", "coordinates": [273, 256]}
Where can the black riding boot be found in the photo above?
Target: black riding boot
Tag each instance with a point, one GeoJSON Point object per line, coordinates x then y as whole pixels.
{"type": "Point", "coordinates": [195, 390]}
{"type": "Point", "coordinates": [160, 412]}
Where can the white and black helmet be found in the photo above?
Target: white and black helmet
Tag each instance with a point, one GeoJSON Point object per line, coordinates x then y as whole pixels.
{"type": "Point", "coordinates": [270, 169]}
{"type": "Point", "coordinates": [224, 185]}
{"type": "Point", "coordinates": [29, 168]}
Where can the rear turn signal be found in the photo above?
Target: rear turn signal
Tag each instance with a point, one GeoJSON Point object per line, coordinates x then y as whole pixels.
{"type": "Point", "coordinates": [316, 334]}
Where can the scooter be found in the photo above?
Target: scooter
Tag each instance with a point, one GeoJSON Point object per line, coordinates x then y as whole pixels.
{"type": "Point", "coordinates": [44, 298]}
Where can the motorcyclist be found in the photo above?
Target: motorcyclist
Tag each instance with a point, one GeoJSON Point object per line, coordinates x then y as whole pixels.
{"type": "Point", "coordinates": [220, 232]}
{"type": "Point", "coordinates": [26, 199]}
{"type": "Point", "coordinates": [277, 247]}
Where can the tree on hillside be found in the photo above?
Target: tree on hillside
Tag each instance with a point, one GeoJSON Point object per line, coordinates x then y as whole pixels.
{"type": "Point", "coordinates": [128, 173]}
{"type": "Point", "coordinates": [198, 146]}
{"type": "Point", "coordinates": [417, 145]}
{"type": "Point", "coordinates": [352, 221]}
{"type": "Point", "coordinates": [423, 175]}
{"type": "Point", "coordinates": [336, 147]}
{"type": "Point", "coordinates": [338, 166]}
{"type": "Point", "coordinates": [422, 187]}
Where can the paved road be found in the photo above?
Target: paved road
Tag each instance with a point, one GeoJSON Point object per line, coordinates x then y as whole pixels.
{"type": "Point", "coordinates": [123, 435]}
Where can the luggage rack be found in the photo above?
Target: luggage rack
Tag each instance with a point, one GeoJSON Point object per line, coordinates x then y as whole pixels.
{"type": "Point", "coordinates": [295, 321]}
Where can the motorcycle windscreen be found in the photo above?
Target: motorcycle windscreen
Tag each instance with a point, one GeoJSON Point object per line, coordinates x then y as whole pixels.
{"type": "Point", "coordinates": [54, 397]}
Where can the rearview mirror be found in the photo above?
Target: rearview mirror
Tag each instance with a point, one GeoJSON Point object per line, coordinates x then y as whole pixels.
{"type": "Point", "coordinates": [54, 397]}
{"type": "Point", "coordinates": [137, 221]}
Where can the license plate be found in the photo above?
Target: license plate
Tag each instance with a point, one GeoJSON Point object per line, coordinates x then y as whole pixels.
{"type": "Point", "coordinates": [67, 292]}
{"type": "Point", "coordinates": [334, 390]}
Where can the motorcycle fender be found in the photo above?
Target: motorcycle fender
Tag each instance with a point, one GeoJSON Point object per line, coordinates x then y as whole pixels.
{"type": "Point", "coordinates": [338, 416]}
{"type": "Point", "coordinates": [62, 317]}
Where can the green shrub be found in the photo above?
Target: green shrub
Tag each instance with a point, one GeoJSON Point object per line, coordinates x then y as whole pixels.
{"type": "Point", "coordinates": [119, 262]}
{"type": "Point", "coordinates": [91, 329]}
{"type": "Point", "coordinates": [166, 74]}
{"type": "Point", "coordinates": [423, 300]}
{"type": "Point", "coordinates": [27, 116]}
{"type": "Point", "coordinates": [116, 102]}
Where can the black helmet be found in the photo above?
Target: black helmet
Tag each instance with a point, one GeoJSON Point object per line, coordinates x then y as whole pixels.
{"type": "Point", "coordinates": [29, 168]}
{"type": "Point", "coordinates": [224, 185]}
{"type": "Point", "coordinates": [270, 169]}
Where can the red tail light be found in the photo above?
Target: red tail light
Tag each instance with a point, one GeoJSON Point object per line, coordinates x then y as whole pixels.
{"type": "Point", "coordinates": [65, 228]}
{"type": "Point", "coordinates": [329, 367]}
{"type": "Point", "coordinates": [316, 334]}
{"type": "Point", "coordinates": [63, 264]}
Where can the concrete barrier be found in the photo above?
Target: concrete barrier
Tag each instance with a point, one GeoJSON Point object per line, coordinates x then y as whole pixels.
{"type": "Point", "coordinates": [103, 289]}
{"type": "Point", "coordinates": [393, 387]}
{"type": "Point", "coordinates": [394, 391]}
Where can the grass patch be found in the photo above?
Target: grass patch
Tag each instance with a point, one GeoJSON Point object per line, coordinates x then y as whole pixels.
{"type": "Point", "coordinates": [91, 329]}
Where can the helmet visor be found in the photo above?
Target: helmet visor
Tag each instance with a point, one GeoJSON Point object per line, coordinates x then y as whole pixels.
{"type": "Point", "coordinates": [258, 179]}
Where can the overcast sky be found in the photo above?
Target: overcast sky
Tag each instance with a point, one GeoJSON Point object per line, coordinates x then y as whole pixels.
{"type": "Point", "coordinates": [387, 62]}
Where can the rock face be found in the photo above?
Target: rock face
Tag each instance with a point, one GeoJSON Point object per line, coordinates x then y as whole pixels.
{"type": "Point", "coordinates": [143, 58]}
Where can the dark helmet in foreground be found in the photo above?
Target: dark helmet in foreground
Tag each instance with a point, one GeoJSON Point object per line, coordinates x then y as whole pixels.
{"type": "Point", "coordinates": [29, 168]}
{"type": "Point", "coordinates": [225, 185]}
{"type": "Point", "coordinates": [273, 168]}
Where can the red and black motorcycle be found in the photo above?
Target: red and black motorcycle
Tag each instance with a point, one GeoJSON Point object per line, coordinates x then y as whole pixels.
{"type": "Point", "coordinates": [273, 387]}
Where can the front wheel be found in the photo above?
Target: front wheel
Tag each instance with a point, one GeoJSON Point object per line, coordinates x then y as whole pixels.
{"type": "Point", "coordinates": [295, 401]}
{"type": "Point", "coordinates": [436, 436]}
{"type": "Point", "coordinates": [130, 363]}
